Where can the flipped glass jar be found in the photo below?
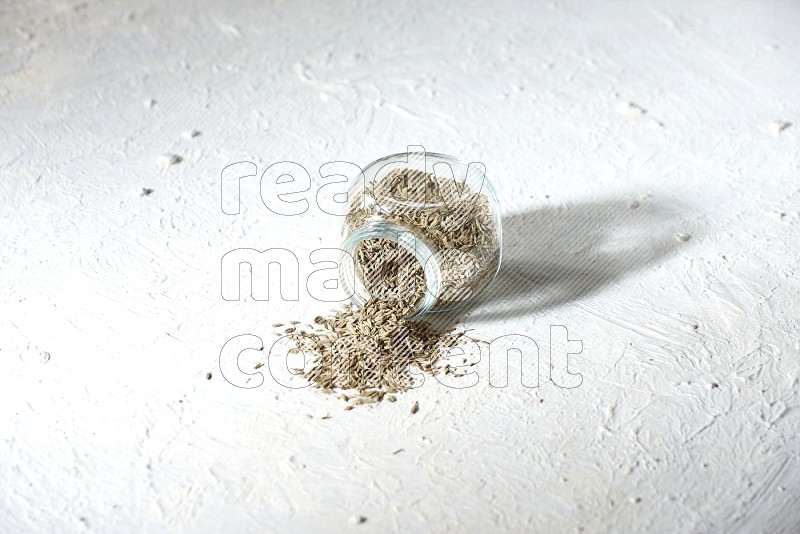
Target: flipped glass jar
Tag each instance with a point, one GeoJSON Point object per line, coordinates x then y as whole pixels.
{"type": "Point", "coordinates": [423, 227]}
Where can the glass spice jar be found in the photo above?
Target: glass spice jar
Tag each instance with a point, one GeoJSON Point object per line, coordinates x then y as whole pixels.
{"type": "Point", "coordinates": [421, 226]}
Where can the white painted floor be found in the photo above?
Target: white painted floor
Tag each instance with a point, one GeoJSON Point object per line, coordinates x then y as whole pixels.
{"type": "Point", "coordinates": [645, 153]}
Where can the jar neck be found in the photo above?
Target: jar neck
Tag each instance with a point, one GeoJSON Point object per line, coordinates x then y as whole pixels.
{"type": "Point", "coordinates": [423, 251]}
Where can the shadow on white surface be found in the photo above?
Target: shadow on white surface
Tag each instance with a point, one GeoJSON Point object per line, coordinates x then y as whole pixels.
{"type": "Point", "coordinates": [560, 254]}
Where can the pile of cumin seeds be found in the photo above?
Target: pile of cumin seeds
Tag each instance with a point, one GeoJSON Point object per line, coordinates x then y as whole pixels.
{"type": "Point", "coordinates": [367, 355]}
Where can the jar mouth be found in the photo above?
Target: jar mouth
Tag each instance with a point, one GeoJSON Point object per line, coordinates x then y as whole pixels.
{"type": "Point", "coordinates": [422, 251]}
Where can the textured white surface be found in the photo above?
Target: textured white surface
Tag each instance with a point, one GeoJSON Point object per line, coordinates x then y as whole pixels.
{"type": "Point", "coordinates": [581, 112]}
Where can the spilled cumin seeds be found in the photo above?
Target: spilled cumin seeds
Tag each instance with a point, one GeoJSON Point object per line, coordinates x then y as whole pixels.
{"type": "Point", "coordinates": [370, 354]}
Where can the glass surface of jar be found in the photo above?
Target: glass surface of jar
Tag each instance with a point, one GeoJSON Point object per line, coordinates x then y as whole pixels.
{"type": "Point", "coordinates": [438, 214]}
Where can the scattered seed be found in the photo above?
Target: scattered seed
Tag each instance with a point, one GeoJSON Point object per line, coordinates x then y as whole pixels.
{"type": "Point", "coordinates": [208, 376]}
{"type": "Point", "coordinates": [777, 127]}
{"type": "Point", "coordinates": [415, 408]}
{"type": "Point", "coordinates": [277, 325]}
{"type": "Point", "coordinates": [683, 238]}
{"type": "Point", "coordinates": [630, 109]}
{"type": "Point", "coordinates": [167, 160]}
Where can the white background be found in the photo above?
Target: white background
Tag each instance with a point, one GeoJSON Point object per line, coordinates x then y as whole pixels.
{"type": "Point", "coordinates": [581, 111]}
